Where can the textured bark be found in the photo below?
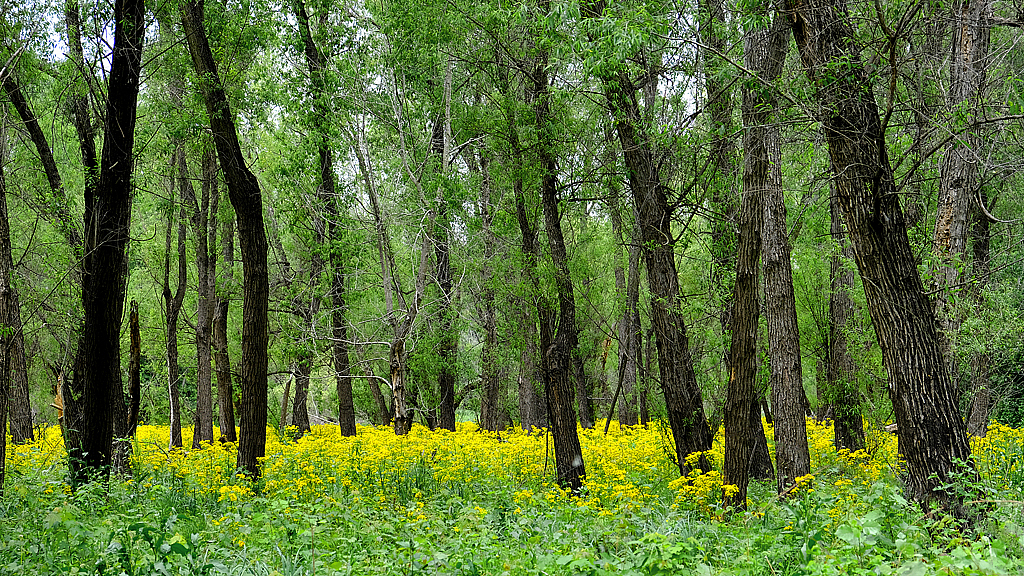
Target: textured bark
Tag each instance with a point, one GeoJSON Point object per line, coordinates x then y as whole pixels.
{"type": "Point", "coordinates": [683, 400]}
{"type": "Point", "coordinates": [559, 348]}
{"type": "Point", "coordinates": [225, 389]}
{"type": "Point", "coordinates": [764, 52]}
{"type": "Point", "coordinates": [678, 380]}
{"type": "Point", "coordinates": [843, 389]}
{"type": "Point", "coordinates": [97, 398]}
{"type": "Point", "coordinates": [932, 436]}
{"type": "Point", "coordinates": [448, 345]}
{"type": "Point", "coordinates": [134, 368]}
{"type": "Point", "coordinates": [533, 406]}
{"type": "Point", "coordinates": [206, 275]}
{"type": "Point", "coordinates": [172, 309]}
{"type": "Point", "coordinates": [300, 408]}
{"type": "Point", "coordinates": [244, 192]}
{"type": "Point", "coordinates": [959, 182]}
{"type": "Point", "coordinates": [742, 408]}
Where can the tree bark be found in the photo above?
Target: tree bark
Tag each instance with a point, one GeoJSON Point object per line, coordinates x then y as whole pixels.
{"type": "Point", "coordinates": [981, 236]}
{"type": "Point", "coordinates": [172, 309]}
{"type": "Point", "coordinates": [627, 282]}
{"type": "Point", "coordinates": [843, 388]}
{"type": "Point", "coordinates": [14, 378]}
{"type": "Point", "coordinates": [932, 438]}
{"type": "Point", "coordinates": [225, 388]}
{"type": "Point", "coordinates": [244, 192]}
{"type": "Point", "coordinates": [741, 405]}
{"type": "Point", "coordinates": [206, 275]}
{"type": "Point", "coordinates": [764, 52]}
{"type": "Point", "coordinates": [491, 414]}
{"type": "Point", "coordinates": [558, 330]}
{"type": "Point", "coordinates": [96, 391]}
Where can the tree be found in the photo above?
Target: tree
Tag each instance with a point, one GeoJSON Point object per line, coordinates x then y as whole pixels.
{"type": "Point", "coordinates": [843, 389]}
{"type": "Point", "coordinates": [96, 397]}
{"type": "Point", "coordinates": [932, 435]}
{"type": "Point", "coordinates": [764, 53]}
{"type": "Point", "coordinates": [244, 192]}
{"type": "Point", "coordinates": [683, 401]}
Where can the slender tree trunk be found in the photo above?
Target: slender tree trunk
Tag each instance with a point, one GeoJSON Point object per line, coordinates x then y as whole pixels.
{"type": "Point", "coordinates": [300, 407]}
{"type": "Point", "coordinates": [981, 236]}
{"type": "Point", "coordinates": [561, 346]}
{"type": "Point", "coordinates": [244, 191]}
{"type": "Point", "coordinates": [843, 389]}
{"type": "Point", "coordinates": [491, 413]}
{"type": "Point", "coordinates": [628, 328]}
{"type": "Point", "coordinates": [172, 309]}
{"type": "Point", "coordinates": [764, 52]}
{"type": "Point", "coordinates": [932, 436]}
{"type": "Point", "coordinates": [14, 385]}
{"type": "Point", "coordinates": [225, 389]}
{"type": "Point", "coordinates": [206, 275]}
{"type": "Point", "coordinates": [448, 346]}
{"type": "Point", "coordinates": [98, 398]}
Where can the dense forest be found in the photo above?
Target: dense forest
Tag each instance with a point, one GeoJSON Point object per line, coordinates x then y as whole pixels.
{"type": "Point", "coordinates": [542, 214]}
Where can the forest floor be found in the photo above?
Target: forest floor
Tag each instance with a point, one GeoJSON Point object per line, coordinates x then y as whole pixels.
{"type": "Point", "coordinates": [470, 502]}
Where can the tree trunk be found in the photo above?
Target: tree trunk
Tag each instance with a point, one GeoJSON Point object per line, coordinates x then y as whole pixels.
{"type": "Point", "coordinates": [959, 183]}
{"type": "Point", "coordinates": [300, 409]}
{"type": "Point", "coordinates": [448, 345]}
{"type": "Point", "coordinates": [244, 191]}
{"type": "Point", "coordinates": [202, 430]}
{"type": "Point", "coordinates": [172, 309]}
{"type": "Point", "coordinates": [981, 236]}
{"type": "Point", "coordinates": [533, 405]}
{"type": "Point", "coordinates": [764, 52]}
{"type": "Point", "coordinates": [678, 380]}
{"type": "Point", "coordinates": [560, 348]}
{"type": "Point", "coordinates": [14, 378]}
{"type": "Point", "coordinates": [628, 328]}
{"type": "Point", "coordinates": [933, 438]}
{"type": "Point", "coordinates": [225, 389]}
{"type": "Point", "coordinates": [491, 412]}
{"type": "Point", "coordinates": [741, 407]}
{"type": "Point", "coordinates": [96, 392]}
{"type": "Point", "coordinates": [843, 388]}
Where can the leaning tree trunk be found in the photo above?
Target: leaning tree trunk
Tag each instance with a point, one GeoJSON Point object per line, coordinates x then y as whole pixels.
{"type": "Point", "coordinates": [559, 348]}
{"type": "Point", "coordinates": [933, 438]}
{"type": "Point", "coordinates": [764, 52]}
{"type": "Point", "coordinates": [244, 191]}
{"type": "Point", "coordinates": [97, 398]}
{"type": "Point", "coordinates": [843, 388]}
{"type": "Point", "coordinates": [683, 400]}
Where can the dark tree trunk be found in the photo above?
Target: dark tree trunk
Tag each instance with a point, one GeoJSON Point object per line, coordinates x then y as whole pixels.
{"type": "Point", "coordinates": [932, 436]}
{"type": "Point", "coordinates": [760, 467]}
{"type": "Point", "coordinates": [300, 409]}
{"type": "Point", "coordinates": [448, 345]}
{"type": "Point", "coordinates": [559, 348]}
{"type": "Point", "coordinates": [244, 191]}
{"type": "Point", "coordinates": [843, 389]}
{"type": "Point", "coordinates": [172, 309]}
{"type": "Point", "coordinates": [97, 398]}
{"type": "Point", "coordinates": [316, 62]}
{"type": "Point", "coordinates": [742, 408]}
{"type": "Point", "coordinates": [764, 52]}
{"type": "Point", "coordinates": [678, 380]}
{"type": "Point", "coordinates": [202, 430]}
{"type": "Point", "coordinates": [383, 410]}
{"type": "Point", "coordinates": [981, 236]}
{"type": "Point", "coordinates": [533, 405]}
{"type": "Point", "coordinates": [14, 377]}
{"type": "Point", "coordinates": [225, 389]}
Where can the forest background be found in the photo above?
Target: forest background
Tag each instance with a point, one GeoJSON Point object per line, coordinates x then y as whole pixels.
{"type": "Point", "coordinates": [516, 213]}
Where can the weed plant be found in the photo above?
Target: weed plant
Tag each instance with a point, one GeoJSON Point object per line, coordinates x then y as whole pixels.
{"type": "Point", "coordinates": [469, 502]}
